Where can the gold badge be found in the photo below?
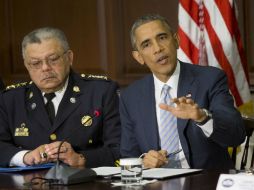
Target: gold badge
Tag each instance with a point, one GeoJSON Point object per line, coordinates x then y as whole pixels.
{"type": "Point", "coordinates": [90, 141]}
{"type": "Point", "coordinates": [22, 131]}
{"type": "Point", "coordinates": [76, 89]}
{"type": "Point", "coordinates": [87, 121]}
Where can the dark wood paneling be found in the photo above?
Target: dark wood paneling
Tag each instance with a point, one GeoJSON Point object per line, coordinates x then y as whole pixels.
{"type": "Point", "coordinates": [249, 31]}
{"type": "Point", "coordinates": [78, 19]}
{"type": "Point", "coordinates": [120, 17]}
{"type": "Point", "coordinates": [98, 32]}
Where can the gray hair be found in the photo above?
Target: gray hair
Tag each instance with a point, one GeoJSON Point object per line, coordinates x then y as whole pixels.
{"type": "Point", "coordinates": [38, 35]}
{"type": "Point", "coordinates": [143, 20]}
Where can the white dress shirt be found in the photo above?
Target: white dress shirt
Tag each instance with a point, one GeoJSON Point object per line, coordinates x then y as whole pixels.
{"type": "Point", "coordinates": [17, 159]}
{"type": "Point", "coordinates": [173, 83]}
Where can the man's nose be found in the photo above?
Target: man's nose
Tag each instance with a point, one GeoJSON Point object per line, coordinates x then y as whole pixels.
{"type": "Point", "coordinates": [157, 47]}
{"type": "Point", "coordinates": [45, 65]}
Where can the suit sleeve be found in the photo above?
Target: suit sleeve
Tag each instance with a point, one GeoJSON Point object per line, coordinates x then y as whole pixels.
{"type": "Point", "coordinates": [228, 126]}
{"type": "Point", "coordinates": [109, 152]}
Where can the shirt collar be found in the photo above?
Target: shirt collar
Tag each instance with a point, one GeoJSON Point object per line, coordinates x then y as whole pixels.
{"type": "Point", "coordinates": [172, 81]}
{"type": "Point", "coordinates": [59, 94]}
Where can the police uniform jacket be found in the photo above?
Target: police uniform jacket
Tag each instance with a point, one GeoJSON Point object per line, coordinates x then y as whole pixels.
{"type": "Point", "coordinates": [25, 125]}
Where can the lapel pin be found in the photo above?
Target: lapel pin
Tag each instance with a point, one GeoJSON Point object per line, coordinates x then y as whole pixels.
{"type": "Point", "coordinates": [86, 121]}
{"type": "Point", "coordinates": [188, 95]}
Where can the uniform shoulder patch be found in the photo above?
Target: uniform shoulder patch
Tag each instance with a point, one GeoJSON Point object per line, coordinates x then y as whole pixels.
{"type": "Point", "coordinates": [18, 85]}
{"type": "Point", "coordinates": [96, 77]}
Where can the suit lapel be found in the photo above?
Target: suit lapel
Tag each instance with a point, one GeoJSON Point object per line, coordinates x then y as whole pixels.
{"type": "Point", "coordinates": [148, 113]}
{"type": "Point", "coordinates": [186, 87]}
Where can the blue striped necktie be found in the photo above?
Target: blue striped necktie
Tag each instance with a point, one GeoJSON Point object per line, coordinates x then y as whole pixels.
{"type": "Point", "coordinates": [168, 124]}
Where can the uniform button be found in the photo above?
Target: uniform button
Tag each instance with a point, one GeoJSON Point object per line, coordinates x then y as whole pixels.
{"type": "Point", "coordinates": [53, 137]}
{"type": "Point", "coordinates": [90, 141]}
{"type": "Point", "coordinates": [73, 100]}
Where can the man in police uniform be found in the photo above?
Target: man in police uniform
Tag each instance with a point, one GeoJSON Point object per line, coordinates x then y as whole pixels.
{"type": "Point", "coordinates": [82, 112]}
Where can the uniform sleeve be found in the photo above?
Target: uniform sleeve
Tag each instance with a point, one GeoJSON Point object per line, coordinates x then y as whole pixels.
{"type": "Point", "coordinates": [6, 142]}
{"type": "Point", "coordinates": [109, 152]}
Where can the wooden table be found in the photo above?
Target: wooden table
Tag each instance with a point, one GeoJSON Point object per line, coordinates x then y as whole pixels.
{"type": "Point", "coordinates": [205, 180]}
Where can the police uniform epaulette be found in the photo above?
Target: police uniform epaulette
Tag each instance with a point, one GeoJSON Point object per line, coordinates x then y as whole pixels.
{"type": "Point", "coordinates": [18, 85]}
{"type": "Point", "coordinates": [91, 77]}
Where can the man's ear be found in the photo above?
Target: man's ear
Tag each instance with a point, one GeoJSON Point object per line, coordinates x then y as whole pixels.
{"type": "Point", "coordinates": [176, 39]}
{"type": "Point", "coordinates": [138, 57]}
{"type": "Point", "coordinates": [70, 56]}
{"type": "Point", "coordinates": [25, 64]}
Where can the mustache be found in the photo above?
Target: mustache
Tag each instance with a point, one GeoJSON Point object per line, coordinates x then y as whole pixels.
{"type": "Point", "coordinates": [161, 58]}
{"type": "Point", "coordinates": [49, 75]}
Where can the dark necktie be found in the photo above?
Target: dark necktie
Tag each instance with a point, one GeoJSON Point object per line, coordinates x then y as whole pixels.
{"type": "Point", "coordinates": [50, 106]}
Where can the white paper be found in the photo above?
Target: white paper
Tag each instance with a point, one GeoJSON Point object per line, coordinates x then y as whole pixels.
{"type": "Point", "coordinates": [160, 173]}
{"type": "Point", "coordinates": [107, 171]}
{"type": "Point", "coordinates": [154, 173]}
{"type": "Point", "coordinates": [235, 182]}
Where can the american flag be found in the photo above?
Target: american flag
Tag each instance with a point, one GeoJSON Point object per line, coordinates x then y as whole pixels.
{"type": "Point", "coordinates": [209, 35]}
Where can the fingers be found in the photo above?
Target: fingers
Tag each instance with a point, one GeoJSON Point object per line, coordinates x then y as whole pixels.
{"type": "Point", "coordinates": [53, 148]}
{"type": "Point", "coordinates": [51, 152]}
{"type": "Point", "coordinates": [178, 102]}
{"type": "Point", "coordinates": [155, 159]}
{"type": "Point", "coordinates": [183, 100]}
{"type": "Point", "coordinates": [66, 153]}
{"type": "Point", "coordinates": [36, 156]}
{"type": "Point", "coordinates": [185, 108]}
{"type": "Point", "coordinates": [164, 107]}
{"type": "Point", "coordinates": [163, 152]}
{"type": "Point", "coordinates": [54, 153]}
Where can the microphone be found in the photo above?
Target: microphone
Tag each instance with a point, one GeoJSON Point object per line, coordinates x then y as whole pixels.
{"type": "Point", "coordinates": [63, 174]}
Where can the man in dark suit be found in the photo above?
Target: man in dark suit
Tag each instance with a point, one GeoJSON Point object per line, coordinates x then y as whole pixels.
{"type": "Point", "coordinates": [82, 112]}
{"type": "Point", "coordinates": [201, 111]}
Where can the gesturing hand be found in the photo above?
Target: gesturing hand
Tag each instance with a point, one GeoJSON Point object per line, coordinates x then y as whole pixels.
{"type": "Point", "coordinates": [185, 108]}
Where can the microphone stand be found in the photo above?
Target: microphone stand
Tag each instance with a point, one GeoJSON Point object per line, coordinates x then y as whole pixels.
{"type": "Point", "coordinates": [62, 174]}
